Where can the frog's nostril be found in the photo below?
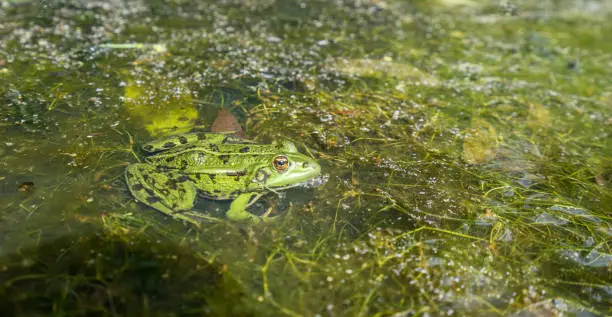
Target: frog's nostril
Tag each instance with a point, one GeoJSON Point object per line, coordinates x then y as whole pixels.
{"type": "Point", "coordinates": [305, 165]}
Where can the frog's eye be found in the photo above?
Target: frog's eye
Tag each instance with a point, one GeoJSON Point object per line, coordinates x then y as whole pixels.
{"type": "Point", "coordinates": [281, 163]}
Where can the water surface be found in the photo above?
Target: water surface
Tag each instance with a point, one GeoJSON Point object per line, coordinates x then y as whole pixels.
{"type": "Point", "coordinates": [466, 143]}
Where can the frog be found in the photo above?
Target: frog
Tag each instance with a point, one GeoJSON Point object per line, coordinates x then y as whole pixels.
{"type": "Point", "coordinates": [216, 166]}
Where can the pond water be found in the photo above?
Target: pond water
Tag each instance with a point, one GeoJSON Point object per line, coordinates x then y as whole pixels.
{"type": "Point", "coordinates": [466, 150]}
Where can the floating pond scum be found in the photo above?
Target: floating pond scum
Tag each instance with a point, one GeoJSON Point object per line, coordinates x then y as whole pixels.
{"type": "Point", "coordinates": [465, 150]}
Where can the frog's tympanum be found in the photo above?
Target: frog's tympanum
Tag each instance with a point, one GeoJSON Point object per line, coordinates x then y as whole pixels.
{"type": "Point", "coordinates": [215, 166]}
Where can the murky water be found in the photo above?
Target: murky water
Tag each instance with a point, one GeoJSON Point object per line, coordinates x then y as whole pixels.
{"type": "Point", "coordinates": [466, 147]}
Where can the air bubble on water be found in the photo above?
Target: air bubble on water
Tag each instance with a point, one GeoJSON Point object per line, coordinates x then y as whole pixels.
{"type": "Point", "coordinates": [326, 117]}
{"type": "Point", "coordinates": [506, 236]}
{"type": "Point", "coordinates": [546, 218]}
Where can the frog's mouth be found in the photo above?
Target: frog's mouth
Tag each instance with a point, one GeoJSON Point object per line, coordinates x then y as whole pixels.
{"type": "Point", "coordinates": [314, 182]}
{"type": "Point", "coordinates": [310, 183]}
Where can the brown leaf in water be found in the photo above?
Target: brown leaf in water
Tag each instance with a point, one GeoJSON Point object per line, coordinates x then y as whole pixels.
{"type": "Point", "coordinates": [226, 122]}
{"type": "Point", "coordinates": [25, 187]}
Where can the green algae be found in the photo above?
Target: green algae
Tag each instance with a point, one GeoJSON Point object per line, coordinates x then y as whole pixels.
{"type": "Point", "coordinates": [467, 145]}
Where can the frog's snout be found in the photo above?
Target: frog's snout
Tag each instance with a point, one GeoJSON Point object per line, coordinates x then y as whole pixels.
{"type": "Point", "coordinates": [299, 169]}
{"type": "Point", "coordinates": [316, 168]}
{"type": "Point", "coordinates": [311, 167]}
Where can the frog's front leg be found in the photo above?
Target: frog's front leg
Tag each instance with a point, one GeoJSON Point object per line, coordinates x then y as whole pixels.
{"type": "Point", "coordinates": [238, 208]}
{"type": "Point", "coordinates": [167, 191]}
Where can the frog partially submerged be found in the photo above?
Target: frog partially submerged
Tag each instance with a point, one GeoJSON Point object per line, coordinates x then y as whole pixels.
{"type": "Point", "coordinates": [216, 166]}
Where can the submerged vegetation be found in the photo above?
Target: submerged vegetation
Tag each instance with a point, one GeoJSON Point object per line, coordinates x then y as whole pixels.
{"type": "Point", "coordinates": [467, 146]}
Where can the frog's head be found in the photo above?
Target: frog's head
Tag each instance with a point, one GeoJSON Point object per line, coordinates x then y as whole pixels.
{"type": "Point", "coordinates": [284, 171]}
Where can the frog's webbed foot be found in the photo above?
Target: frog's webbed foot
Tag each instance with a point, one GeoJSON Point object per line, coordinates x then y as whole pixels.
{"type": "Point", "coordinates": [238, 209]}
{"type": "Point", "coordinates": [168, 192]}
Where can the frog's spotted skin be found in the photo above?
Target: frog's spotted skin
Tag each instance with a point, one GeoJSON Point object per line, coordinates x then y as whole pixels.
{"type": "Point", "coordinates": [192, 139]}
{"type": "Point", "coordinates": [164, 191]}
{"type": "Point", "coordinates": [215, 166]}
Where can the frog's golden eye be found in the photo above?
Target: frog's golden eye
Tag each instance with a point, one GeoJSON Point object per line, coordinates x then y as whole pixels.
{"type": "Point", "coordinates": [281, 163]}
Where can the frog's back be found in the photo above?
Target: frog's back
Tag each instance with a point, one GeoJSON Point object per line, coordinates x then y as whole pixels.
{"type": "Point", "coordinates": [199, 160]}
{"type": "Point", "coordinates": [212, 153]}
{"type": "Point", "coordinates": [192, 139]}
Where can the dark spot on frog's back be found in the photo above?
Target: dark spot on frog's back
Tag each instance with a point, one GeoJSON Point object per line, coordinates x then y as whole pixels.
{"type": "Point", "coordinates": [183, 140]}
{"type": "Point", "coordinates": [148, 148]}
{"type": "Point", "coordinates": [182, 178]}
{"type": "Point", "coordinates": [214, 148]}
{"type": "Point", "coordinates": [201, 136]}
{"type": "Point", "coordinates": [245, 149]}
{"type": "Point", "coordinates": [224, 158]}
{"type": "Point", "coordinates": [169, 145]}
{"type": "Point", "coordinates": [137, 187]}
{"type": "Point", "coordinates": [171, 183]}
{"type": "Point", "coordinates": [149, 192]}
{"type": "Point", "coordinates": [170, 159]}
{"type": "Point", "coordinates": [153, 199]}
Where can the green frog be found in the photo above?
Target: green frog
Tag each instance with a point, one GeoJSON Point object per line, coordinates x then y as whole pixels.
{"type": "Point", "coordinates": [216, 166]}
